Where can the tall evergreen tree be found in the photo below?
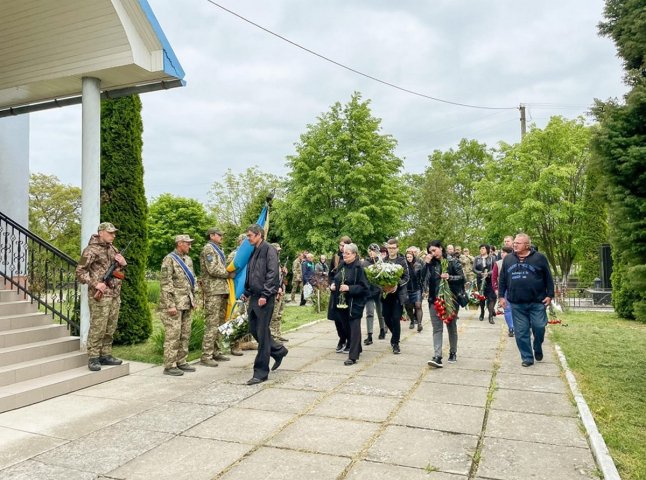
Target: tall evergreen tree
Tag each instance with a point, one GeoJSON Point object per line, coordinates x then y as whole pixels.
{"type": "Point", "coordinates": [123, 202]}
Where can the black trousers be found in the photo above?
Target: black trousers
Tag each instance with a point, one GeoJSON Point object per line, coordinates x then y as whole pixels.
{"type": "Point", "coordinates": [352, 327]}
{"type": "Point", "coordinates": [392, 310]}
{"type": "Point", "coordinates": [259, 318]}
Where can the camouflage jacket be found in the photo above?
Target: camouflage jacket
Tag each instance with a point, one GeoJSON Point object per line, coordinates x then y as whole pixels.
{"type": "Point", "coordinates": [176, 289]}
{"type": "Point", "coordinates": [467, 263]}
{"type": "Point", "coordinates": [297, 272]}
{"type": "Point", "coordinates": [214, 271]}
{"type": "Point", "coordinates": [95, 261]}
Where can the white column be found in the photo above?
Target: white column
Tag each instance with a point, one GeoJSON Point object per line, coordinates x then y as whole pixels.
{"type": "Point", "coordinates": [90, 180]}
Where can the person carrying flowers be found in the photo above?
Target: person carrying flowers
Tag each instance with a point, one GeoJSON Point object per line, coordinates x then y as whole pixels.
{"type": "Point", "coordinates": [396, 296]}
{"type": "Point", "coordinates": [445, 280]}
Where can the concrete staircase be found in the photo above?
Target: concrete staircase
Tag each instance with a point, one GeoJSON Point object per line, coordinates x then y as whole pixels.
{"type": "Point", "coordinates": [38, 358]}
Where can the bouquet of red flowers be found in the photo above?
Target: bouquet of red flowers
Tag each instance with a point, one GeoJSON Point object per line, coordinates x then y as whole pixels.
{"type": "Point", "coordinates": [474, 295]}
{"type": "Point", "coordinates": [444, 303]}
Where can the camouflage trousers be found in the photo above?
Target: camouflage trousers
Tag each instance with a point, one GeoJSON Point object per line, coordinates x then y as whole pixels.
{"type": "Point", "coordinates": [215, 309]}
{"type": "Point", "coordinates": [178, 333]}
{"type": "Point", "coordinates": [297, 287]}
{"type": "Point", "coordinates": [277, 316]}
{"type": "Point", "coordinates": [104, 314]}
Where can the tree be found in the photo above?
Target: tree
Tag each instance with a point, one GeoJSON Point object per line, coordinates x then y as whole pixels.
{"type": "Point", "coordinates": [620, 142]}
{"type": "Point", "coordinates": [55, 212]}
{"type": "Point", "coordinates": [169, 216]}
{"type": "Point", "coordinates": [344, 180]}
{"type": "Point", "coordinates": [538, 185]}
{"type": "Point", "coordinates": [123, 202]}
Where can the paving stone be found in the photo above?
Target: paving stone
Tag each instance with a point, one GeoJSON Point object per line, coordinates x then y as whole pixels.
{"type": "Point", "coordinates": [281, 400]}
{"type": "Point", "coordinates": [290, 363]}
{"type": "Point", "coordinates": [307, 352]}
{"type": "Point", "coordinates": [448, 393]}
{"type": "Point", "coordinates": [479, 353]}
{"type": "Point", "coordinates": [382, 471]}
{"type": "Point", "coordinates": [327, 365]}
{"type": "Point", "coordinates": [378, 386]}
{"type": "Point", "coordinates": [533, 402]}
{"type": "Point", "coordinates": [16, 446]}
{"type": "Point", "coordinates": [539, 368]}
{"type": "Point", "coordinates": [465, 363]}
{"type": "Point", "coordinates": [142, 388]}
{"type": "Point", "coordinates": [383, 368]}
{"type": "Point", "coordinates": [514, 460]}
{"type": "Point", "coordinates": [31, 470]}
{"type": "Point", "coordinates": [534, 383]}
{"type": "Point", "coordinates": [356, 407]}
{"type": "Point", "coordinates": [421, 448]}
{"type": "Point", "coordinates": [325, 435]}
{"type": "Point", "coordinates": [532, 427]}
{"type": "Point", "coordinates": [287, 465]}
{"type": "Point", "coordinates": [441, 416]}
{"type": "Point", "coordinates": [105, 450]}
{"type": "Point", "coordinates": [318, 381]}
{"type": "Point", "coordinates": [220, 394]}
{"type": "Point", "coordinates": [172, 417]}
{"type": "Point", "coordinates": [321, 342]}
{"type": "Point", "coordinates": [476, 378]}
{"type": "Point", "coordinates": [183, 458]}
{"type": "Point", "coordinates": [240, 425]}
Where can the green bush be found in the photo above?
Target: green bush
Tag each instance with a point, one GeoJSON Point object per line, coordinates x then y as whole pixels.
{"type": "Point", "coordinates": [197, 334]}
{"type": "Point", "coordinates": [325, 300]}
{"type": "Point", "coordinates": [154, 291]}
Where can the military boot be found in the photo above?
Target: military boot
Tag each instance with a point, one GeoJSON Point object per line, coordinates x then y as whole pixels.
{"type": "Point", "coordinates": [94, 364]}
{"type": "Point", "coordinates": [109, 360]}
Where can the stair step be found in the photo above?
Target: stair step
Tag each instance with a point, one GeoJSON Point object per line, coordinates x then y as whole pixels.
{"type": "Point", "coordinates": [17, 307]}
{"type": "Point", "coordinates": [23, 336]}
{"type": "Point", "coordinates": [19, 372]}
{"type": "Point", "coordinates": [24, 320]}
{"type": "Point", "coordinates": [42, 388]}
{"type": "Point", "coordinates": [10, 296]}
{"type": "Point", "coordinates": [32, 351]}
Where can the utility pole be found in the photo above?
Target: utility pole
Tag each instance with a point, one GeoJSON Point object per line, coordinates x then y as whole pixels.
{"type": "Point", "coordinates": [523, 121]}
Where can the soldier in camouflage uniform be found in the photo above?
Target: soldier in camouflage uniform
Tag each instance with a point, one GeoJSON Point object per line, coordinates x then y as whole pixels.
{"type": "Point", "coordinates": [297, 276]}
{"type": "Point", "coordinates": [215, 289]}
{"type": "Point", "coordinates": [177, 299]}
{"type": "Point", "coordinates": [95, 260]}
{"type": "Point", "coordinates": [279, 306]}
{"type": "Point", "coordinates": [467, 262]}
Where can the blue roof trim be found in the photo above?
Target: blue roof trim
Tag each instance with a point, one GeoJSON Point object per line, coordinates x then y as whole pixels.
{"type": "Point", "coordinates": [171, 63]}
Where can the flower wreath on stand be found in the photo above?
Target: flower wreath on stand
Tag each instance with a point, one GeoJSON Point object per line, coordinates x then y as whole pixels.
{"type": "Point", "coordinates": [474, 295]}
{"type": "Point", "coordinates": [238, 326]}
{"type": "Point", "coordinates": [384, 274]}
{"type": "Point", "coordinates": [444, 303]}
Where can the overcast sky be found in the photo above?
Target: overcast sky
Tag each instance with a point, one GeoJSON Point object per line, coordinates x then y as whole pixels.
{"type": "Point", "coordinates": [249, 95]}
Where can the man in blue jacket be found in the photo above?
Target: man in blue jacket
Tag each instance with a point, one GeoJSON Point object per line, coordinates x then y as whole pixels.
{"type": "Point", "coordinates": [526, 282]}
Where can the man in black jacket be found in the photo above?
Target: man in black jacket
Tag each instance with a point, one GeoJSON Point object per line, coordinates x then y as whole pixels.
{"type": "Point", "coordinates": [261, 286]}
{"type": "Point", "coordinates": [396, 296]}
{"type": "Point", "coordinates": [526, 281]}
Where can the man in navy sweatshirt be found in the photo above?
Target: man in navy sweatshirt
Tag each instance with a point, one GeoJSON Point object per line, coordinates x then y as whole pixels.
{"type": "Point", "coordinates": [526, 282]}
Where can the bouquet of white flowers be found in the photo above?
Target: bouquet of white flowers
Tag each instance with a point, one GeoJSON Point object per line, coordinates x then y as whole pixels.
{"type": "Point", "coordinates": [384, 274]}
{"type": "Point", "coordinates": [238, 326]}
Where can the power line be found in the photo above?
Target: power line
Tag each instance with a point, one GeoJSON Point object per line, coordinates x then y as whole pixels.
{"type": "Point", "coordinates": [353, 70]}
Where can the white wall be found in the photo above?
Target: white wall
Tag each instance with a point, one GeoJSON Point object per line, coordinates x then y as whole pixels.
{"type": "Point", "coordinates": [14, 168]}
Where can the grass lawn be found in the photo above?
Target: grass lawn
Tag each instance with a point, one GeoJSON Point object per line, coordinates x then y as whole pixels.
{"type": "Point", "coordinates": [293, 317]}
{"type": "Point", "coordinates": [608, 358]}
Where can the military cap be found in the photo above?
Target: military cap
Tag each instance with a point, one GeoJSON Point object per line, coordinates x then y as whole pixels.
{"type": "Point", "coordinates": [215, 230]}
{"type": "Point", "coordinates": [107, 226]}
{"type": "Point", "coordinates": [183, 238]}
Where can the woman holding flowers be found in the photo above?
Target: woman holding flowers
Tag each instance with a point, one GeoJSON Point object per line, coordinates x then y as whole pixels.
{"type": "Point", "coordinates": [414, 305]}
{"type": "Point", "coordinates": [483, 268]}
{"type": "Point", "coordinates": [396, 296]}
{"type": "Point", "coordinates": [445, 280]}
{"type": "Point", "coordinates": [349, 294]}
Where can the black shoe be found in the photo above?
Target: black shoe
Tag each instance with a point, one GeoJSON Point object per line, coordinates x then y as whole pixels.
{"type": "Point", "coordinates": [419, 327]}
{"type": "Point", "coordinates": [349, 362]}
{"type": "Point", "coordinates": [511, 332]}
{"type": "Point", "coordinates": [481, 318]}
{"type": "Point", "coordinates": [109, 360]}
{"type": "Point", "coordinates": [279, 360]}
{"type": "Point", "coordinates": [94, 364]}
{"type": "Point", "coordinates": [174, 371]}
{"type": "Point", "coordinates": [491, 319]}
{"type": "Point", "coordinates": [185, 367]}
{"type": "Point", "coordinates": [396, 350]}
{"type": "Point", "coordinates": [412, 325]}
{"type": "Point", "coordinates": [453, 357]}
{"type": "Point", "coordinates": [527, 364]}
{"type": "Point", "coordinates": [368, 341]}
{"type": "Point", "coordinates": [347, 348]}
{"type": "Point", "coordinates": [538, 356]}
{"type": "Point", "coordinates": [256, 381]}
{"type": "Point", "coordinates": [382, 334]}
{"type": "Point", "coordinates": [340, 347]}
{"type": "Point", "coordinates": [435, 362]}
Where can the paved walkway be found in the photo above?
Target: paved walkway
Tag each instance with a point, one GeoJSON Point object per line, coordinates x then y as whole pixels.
{"type": "Point", "coordinates": [387, 417]}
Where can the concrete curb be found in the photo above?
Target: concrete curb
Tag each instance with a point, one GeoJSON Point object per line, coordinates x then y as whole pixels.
{"type": "Point", "coordinates": [597, 443]}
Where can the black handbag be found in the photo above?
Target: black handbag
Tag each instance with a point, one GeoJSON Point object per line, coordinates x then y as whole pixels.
{"type": "Point", "coordinates": [462, 299]}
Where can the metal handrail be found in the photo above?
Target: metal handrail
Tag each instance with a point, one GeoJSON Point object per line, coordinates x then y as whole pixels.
{"type": "Point", "coordinates": [39, 271]}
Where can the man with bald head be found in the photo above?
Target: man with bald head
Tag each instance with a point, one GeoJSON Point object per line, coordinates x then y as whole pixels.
{"type": "Point", "coordinates": [526, 283]}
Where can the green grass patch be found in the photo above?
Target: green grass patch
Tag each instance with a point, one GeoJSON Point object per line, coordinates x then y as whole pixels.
{"type": "Point", "coordinates": [294, 316]}
{"type": "Point", "coordinates": [608, 356]}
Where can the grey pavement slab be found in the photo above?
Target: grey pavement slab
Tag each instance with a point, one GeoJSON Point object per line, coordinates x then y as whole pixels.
{"type": "Point", "coordinates": [441, 416]}
{"type": "Point", "coordinates": [533, 402]}
{"type": "Point", "coordinates": [450, 393]}
{"type": "Point", "coordinates": [421, 448]}
{"type": "Point", "coordinates": [183, 458]}
{"type": "Point", "coordinates": [31, 470]}
{"type": "Point", "coordinates": [383, 368]}
{"type": "Point", "coordinates": [479, 353]}
{"type": "Point", "coordinates": [281, 400]}
{"type": "Point", "coordinates": [450, 375]}
{"type": "Point", "coordinates": [539, 368]}
{"type": "Point", "coordinates": [356, 407]}
{"type": "Point", "coordinates": [382, 471]}
{"type": "Point", "coordinates": [318, 381]}
{"type": "Point", "coordinates": [325, 435]}
{"type": "Point", "coordinates": [16, 446]}
{"type": "Point", "coordinates": [289, 363]}
{"type": "Point", "coordinates": [172, 417]}
{"type": "Point", "coordinates": [466, 363]}
{"type": "Point", "coordinates": [241, 425]}
{"type": "Point", "coordinates": [378, 386]}
{"type": "Point", "coordinates": [334, 364]}
{"type": "Point", "coordinates": [219, 394]}
{"type": "Point", "coordinates": [532, 427]}
{"type": "Point", "coordinates": [534, 383]}
{"type": "Point", "coordinates": [104, 450]}
{"type": "Point", "coordinates": [281, 464]}
{"type": "Point", "coordinates": [514, 460]}
{"type": "Point", "coordinates": [307, 352]}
